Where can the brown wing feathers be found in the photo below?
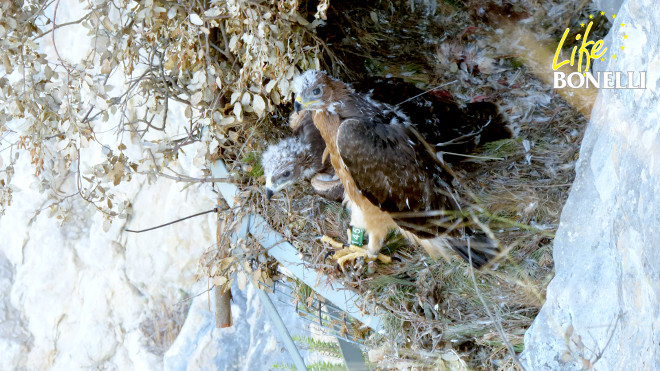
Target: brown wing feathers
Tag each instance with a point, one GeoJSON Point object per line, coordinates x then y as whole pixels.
{"type": "Point", "coordinates": [390, 165]}
{"type": "Point", "coordinates": [440, 119]}
{"type": "Point", "coordinates": [395, 172]}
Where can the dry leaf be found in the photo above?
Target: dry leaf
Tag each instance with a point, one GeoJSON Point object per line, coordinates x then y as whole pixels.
{"type": "Point", "coordinates": [107, 223]}
{"type": "Point", "coordinates": [196, 98]}
{"type": "Point", "coordinates": [242, 280]}
{"type": "Point", "coordinates": [212, 13]}
{"type": "Point", "coordinates": [196, 20]}
{"type": "Point", "coordinates": [219, 281]}
{"type": "Point", "coordinates": [234, 97]}
{"type": "Point", "coordinates": [270, 85]}
{"type": "Point", "coordinates": [227, 121]}
{"type": "Point", "coordinates": [238, 111]}
{"type": "Point", "coordinates": [106, 67]}
{"type": "Point", "coordinates": [245, 100]}
{"type": "Point", "coordinates": [259, 105]}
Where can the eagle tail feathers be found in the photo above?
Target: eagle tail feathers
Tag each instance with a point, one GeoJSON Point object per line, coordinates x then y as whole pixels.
{"type": "Point", "coordinates": [477, 249]}
{"type": "Point", "coordinates": [489, 120]}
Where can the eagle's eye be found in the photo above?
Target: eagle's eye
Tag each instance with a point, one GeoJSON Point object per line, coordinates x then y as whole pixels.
{"type": "Point", "coordinates": [316, 91]}
{"type": "Point", "coordinates": [286, 174]}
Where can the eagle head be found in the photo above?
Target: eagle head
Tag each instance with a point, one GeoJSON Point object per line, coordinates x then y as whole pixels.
{"type": "Point", "coordinates": [287, 162]}
{"type": "Point", "coordinates": [312, 90]}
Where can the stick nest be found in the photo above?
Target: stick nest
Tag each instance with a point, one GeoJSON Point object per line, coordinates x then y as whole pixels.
{"type": "Point", "coordinates": [518, 186]}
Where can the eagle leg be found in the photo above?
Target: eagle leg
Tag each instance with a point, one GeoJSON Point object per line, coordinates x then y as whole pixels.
{"type": "Point", "coordinates": [352, 252]}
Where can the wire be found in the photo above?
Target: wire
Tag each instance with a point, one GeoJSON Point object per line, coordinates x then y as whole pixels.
{"type": "Point", "coordinates": [215, 209]}
{"type": "Point", "coordinates": [425, 92]}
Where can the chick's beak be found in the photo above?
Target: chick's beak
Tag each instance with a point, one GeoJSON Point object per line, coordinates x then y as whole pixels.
{"type": "Point", "coordinates": [297, 105]}
{"type": "Point", "coordinates": [269, 193]}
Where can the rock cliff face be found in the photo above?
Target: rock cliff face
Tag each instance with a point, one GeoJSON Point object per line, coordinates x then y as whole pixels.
{"type": "Point", "coordinates": [603, 305]}
{"type": "Point", "coordinates": [75, 297]}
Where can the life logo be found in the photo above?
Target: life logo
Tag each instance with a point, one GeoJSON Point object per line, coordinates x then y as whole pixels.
{"type": "Point", "coordinates": [587, 51]}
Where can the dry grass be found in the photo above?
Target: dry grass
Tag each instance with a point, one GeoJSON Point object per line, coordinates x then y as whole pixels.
{"type": "Point", "coordinates": [434, 306]}
{"type": "Point", "coordinates": [164, 326]}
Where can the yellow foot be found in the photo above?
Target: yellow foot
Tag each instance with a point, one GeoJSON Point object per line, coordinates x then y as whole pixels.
{"type": "Point", "coordinates": [352, 252]}
{"type": "Point", "coordinates": [331, 242]}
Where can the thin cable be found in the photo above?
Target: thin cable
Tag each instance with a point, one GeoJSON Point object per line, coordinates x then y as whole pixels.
{"type": "Point", "coordinates": [425, 92]}
{"type": "Point", "coordinates": [215, 209]}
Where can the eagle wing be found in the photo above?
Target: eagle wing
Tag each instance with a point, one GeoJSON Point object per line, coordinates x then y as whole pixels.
{"type": "Point", "coordinates": [393, 169]}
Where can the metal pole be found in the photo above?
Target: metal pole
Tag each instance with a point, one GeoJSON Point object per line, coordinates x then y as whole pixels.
{"type": "Point", "coordinates": [286, 254]}
{"type": "Point", "coordinates": [352, 356]}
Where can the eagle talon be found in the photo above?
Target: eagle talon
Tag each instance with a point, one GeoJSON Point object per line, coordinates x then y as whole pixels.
{"type": "Point", "coordinates": [353, 253]}
{"type": "Point", "coordinates": [336, 244]}
{"type": "Point", "coordinates": [328, 254]}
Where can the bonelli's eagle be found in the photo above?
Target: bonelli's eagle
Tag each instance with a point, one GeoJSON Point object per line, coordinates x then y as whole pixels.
{"type": "Point", "coordinates": [390, 173]}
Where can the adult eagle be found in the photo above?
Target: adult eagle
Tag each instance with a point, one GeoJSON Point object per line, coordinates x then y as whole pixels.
{"type": "Point", "coordinates": [391, 176]}
{"type": "Point", "coordinates": [437, 117]}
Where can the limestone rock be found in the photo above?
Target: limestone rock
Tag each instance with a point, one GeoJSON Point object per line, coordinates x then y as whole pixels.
{"type": "Point", "coordinates": [251, 343]}
{"type": "Point", "coordinates": [14, 337]}
{"type": "Point", "coordinates": [608, 6]}
{"type": "Point", "coordinates": [602, 307]}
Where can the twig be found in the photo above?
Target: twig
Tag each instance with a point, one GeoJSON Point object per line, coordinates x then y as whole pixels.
{"type": "Point", "coordinates": [602, 351]}
{"type": "Point", "coordinates": [55, 27]}
{"type": "Point", "coordinates": [183, 178]}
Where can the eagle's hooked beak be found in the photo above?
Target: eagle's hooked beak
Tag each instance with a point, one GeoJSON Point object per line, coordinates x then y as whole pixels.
{"type": "Point", "coordinates": [269, 193]}
{"type": "Point", "coordinates": [298, 105]}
